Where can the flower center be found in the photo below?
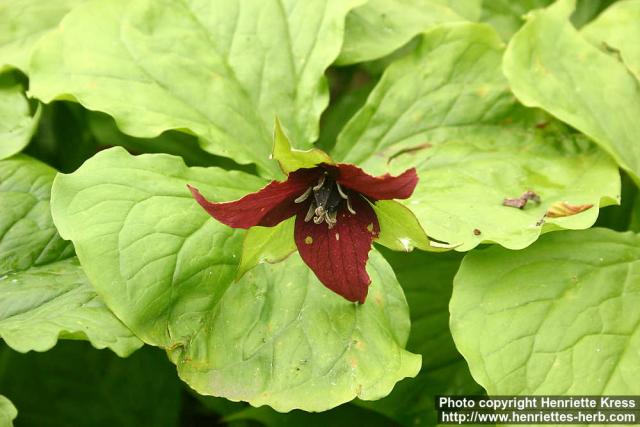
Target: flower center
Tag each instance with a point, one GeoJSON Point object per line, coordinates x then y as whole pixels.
{"type": "Point", "coordinates": [327, 198]}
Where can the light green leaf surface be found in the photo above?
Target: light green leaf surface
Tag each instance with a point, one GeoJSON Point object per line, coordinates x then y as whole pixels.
{"type": "Point", "coordinates": [557, 318]}
{"type": "Point", "coordinates": [552, 66]}
{"type": "Point", "coordinates": [17, 124]}
{"type": "Point", "coordinates": [223, 73]}
{"type": "Point", "coordinates": [23, 23]}
{"type": "Point", "coordinates": [43, 294]}
{"type": "Point", "coordinates": [42, 304]}
{"type": "Point", "coordinates": [291, 159]}
{"type": "Point", "coordinates": [617, 30]}
{"type": "Point", "coordinates": [447, 110]}
{"type": "Point", "coordinates": [379, 27]}
{"type": "Point", "coordinates": [507, 16]}
{"type": "Point", "coordinates": [276, 337]}
{"type": "Point", "coordinates": [266, 244]}
{"type": "Point", "coordinates": [451, 80]}
{"type": "Point", "coordinates": [8, 412]}
{"type": "Point", "coordinates": [27, 235]}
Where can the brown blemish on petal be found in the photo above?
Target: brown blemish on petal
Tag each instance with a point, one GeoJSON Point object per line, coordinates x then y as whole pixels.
{"type": "Point", "coordinates": [562, 209]}
{"type": "Point", "coordinates": [308, 240]}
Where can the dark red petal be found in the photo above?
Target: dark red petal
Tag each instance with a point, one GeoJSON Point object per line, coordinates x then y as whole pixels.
{"type": "Point", "coordinates": [338, 256]}
{"type": "Point", "coordinates": [383, 187]}
{"type": "Point", "coordinates": [266, 207]}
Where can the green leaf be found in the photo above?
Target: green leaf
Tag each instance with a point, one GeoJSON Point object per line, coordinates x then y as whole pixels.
{"type": "Point", "coordinates": [244, 63]}
{"type": "Point", "coordinates": [399, 228]}
{"type": "Point", "coordinates": [452, 79]}
{"type": "Point", "coordinates": [291, 159]}
{"type": "Point", "coordinates": [165, 267]}
{"type": "Point", "coordinates": [447, 110]}
{"type": "Point", "coordinates": [27, 235]}
{"type": "Point", "coordinates": [43, 294]}
{"type": "Point", "coordinates": [507, 16]}
{"type": "Point", "coordinates": [75, 385]}
{"type": "Point", "coordinates": [559, 317]}
{"type": "Point", "coordinates": [551, 66]}
{"type": "Point", "coordinates": [617, 30]}
{"type": "Point", "coordinates": [427, 280]}
{"type": "Point", "coordinates": [379, 27]}
{"type": "Point", "coordinates": [266, 244]}
{"type": "Point", "coordinates": [42, 304]}
{"type": "Point", "coordinates": [17, 124]}
{"type": "Point", "coordinates": [8, 412]}
{"type": "Point", "coordinates": [23, 23]}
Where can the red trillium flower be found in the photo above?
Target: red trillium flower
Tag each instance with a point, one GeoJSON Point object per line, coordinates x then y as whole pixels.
{"type": "Point", "coordinates": [335, 223]}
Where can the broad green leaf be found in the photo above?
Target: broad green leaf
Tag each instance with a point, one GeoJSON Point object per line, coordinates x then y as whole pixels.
{"type": "Point", "coordinates": [379, 27]}
{"type": "Point", "coordinates": [291, 159]}
{"type": "Point", "coordinates": [447, 110]}
{"type": "Point", "coordinates": [17, 124]}
{"type": "Point", "coordinates": [8, 412]}
{"type": "Point", "coordinates": [427, 280]}
{"type": "Point", "coordinates": [44, 295]}
{"type": "Point", "coordinates": [222, 73]}
{"type": "Point", "coordinates": [552, 66]}
{"type": "Point", "coordinates": [23, 23]}
{"type": "Point", "coordinates": [75, 385]}
{"type": "Point", "coordinates": [266, 244]}
{"type": "Point", "coordinates": [42, 304]}
{"type": "Point", "coordinates": [452, 79]}
{"type": "Point", "coordinates": [507, 16]}
{"type": "Point", "coordinates": [276, 337]}
{"type": "Point", "coordinates": [617, 30]}
{"type": "Point", "coordinates": [559, 317]}
{"type": "Point", "coordinates": [27, 235]}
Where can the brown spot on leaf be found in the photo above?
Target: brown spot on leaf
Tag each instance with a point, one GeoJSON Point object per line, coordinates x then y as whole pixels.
{"type": "Point", "coordinates": [521, 201]}
{"type": "Point", "coordinates": [476, 232]}
{"type": "Point", "coordinates": [514, 203]}
{"type": "Point", "coordinates": [562, 209]}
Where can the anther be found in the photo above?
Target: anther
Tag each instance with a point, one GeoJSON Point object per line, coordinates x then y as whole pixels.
{"type": "Point", "coordinates": [331, 218]}
{"type": "Point", "coordinates": [344, 196]}
{"type": "Point", "coordinates": [310, 212]}
{"type": "Point", "coordinates": [320, 183]}
{"type": "Point", "coordinates": [318, 219]}
{"type": "Point", "coordinates": [353, 212]}
{"type": "Point", "coordinates": [304, 196]}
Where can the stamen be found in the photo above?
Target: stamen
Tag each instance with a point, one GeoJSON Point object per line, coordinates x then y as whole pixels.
{"type": "Point", "coordinates": [331, 218]}
{"type": "Point", "coordinates": [318, 219]}
{"type": "Point", "coordinates": [304, 196]}
{"type": "Point", "coordinates": [353, 212]}
{"type": "Point", "coordinates": [320, 183]}
{"type": "Point", "coordinates": [310, 212]}
{"type": "Point", "coordinates": [344, 196]}
{"type": "Point", "coordinates": [320, 211]}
